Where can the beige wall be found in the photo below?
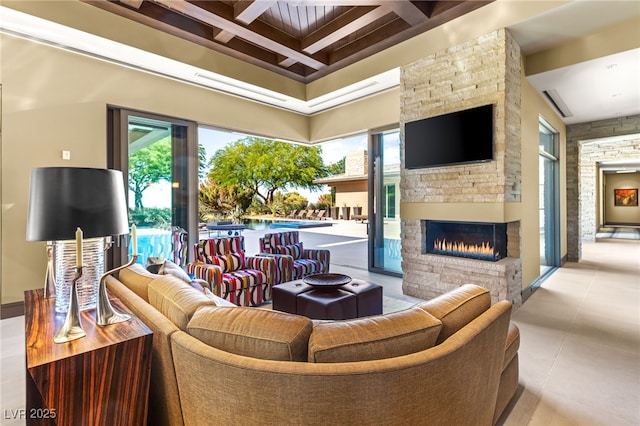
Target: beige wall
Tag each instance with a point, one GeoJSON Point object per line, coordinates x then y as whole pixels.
{"type": "Point", "coordinates": [54, 100]}
{"type": "Point", "coordinates": [352, 194]}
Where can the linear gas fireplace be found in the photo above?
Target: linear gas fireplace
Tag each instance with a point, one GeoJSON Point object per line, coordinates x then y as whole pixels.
{"type": "Point", "coordinates": [475, 240]}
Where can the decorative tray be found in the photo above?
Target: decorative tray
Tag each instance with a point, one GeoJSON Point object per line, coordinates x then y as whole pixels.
{"type": "Point", "coordinates": [327, 281]}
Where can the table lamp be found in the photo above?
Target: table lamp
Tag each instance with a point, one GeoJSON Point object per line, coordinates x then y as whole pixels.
{"type": "Point", "coordinates": [63, 199]}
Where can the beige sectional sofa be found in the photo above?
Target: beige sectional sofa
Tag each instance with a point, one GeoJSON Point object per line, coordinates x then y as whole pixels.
{"type": "Point", "coordinates": [451, 360]}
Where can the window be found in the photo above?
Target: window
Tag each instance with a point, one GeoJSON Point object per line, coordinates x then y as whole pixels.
{"type": "Point", "coordinates": [549, 200]}
{"type": "Point", "coordinates": [384, 218]}
{"type": "Point", "coordinates": [157, 156]}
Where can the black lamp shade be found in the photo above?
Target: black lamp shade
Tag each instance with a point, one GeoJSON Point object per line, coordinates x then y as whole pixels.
{"type": "Point", "coordinates": [65, 198]}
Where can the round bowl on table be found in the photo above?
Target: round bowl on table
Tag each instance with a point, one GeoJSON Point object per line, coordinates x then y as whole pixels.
{"type": "Point", "coordinates": [326, 281]}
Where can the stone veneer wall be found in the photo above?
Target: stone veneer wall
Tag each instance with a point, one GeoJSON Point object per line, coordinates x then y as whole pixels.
{"type": "Point", "coordinates": [581, 173]}
{"type": "Point", "coordinates": [356, 163]}
{"type": "Point", "coordinates": [483, 71]}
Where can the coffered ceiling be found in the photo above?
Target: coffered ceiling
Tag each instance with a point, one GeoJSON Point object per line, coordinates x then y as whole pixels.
{"type": "Point", "coordinates": [301, 39]}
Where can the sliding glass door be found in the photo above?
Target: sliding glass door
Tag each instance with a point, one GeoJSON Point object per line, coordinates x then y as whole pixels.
{"type": "Point", "coordinates": [549, 199]}
{"type": "Point", "coordinates": [158, 158]}
{"type": "Point", "coordinates": [384, 203]}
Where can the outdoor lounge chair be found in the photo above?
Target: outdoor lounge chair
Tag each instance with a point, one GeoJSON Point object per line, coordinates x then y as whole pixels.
{"type": "Point", "coordinates": [320, 214]}
{"type": "Point", "coordinates": [304, 214]}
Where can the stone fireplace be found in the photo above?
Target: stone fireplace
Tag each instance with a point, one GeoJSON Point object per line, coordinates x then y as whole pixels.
{"type": "Point", "coordinates": [478, 198]}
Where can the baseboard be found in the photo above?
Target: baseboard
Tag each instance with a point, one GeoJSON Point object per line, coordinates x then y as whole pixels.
{"type": "Point", "coordinates": [528, 291]}
{"type": "Point", "coordinates": [10, 310]}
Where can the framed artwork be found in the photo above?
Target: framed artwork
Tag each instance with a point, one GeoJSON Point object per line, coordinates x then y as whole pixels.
{"type": "Point", "coordinates": [625, 197]}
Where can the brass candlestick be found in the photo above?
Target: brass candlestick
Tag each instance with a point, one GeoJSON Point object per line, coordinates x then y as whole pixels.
{"type": "Point", "coordinates": [72, 327]}
{"type": "Point", "coordinates": [105, 313]}
{"type": "Point", "coordinates": [50, 278]}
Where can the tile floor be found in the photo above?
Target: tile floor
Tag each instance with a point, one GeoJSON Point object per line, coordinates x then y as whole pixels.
{"type": "Point", "coordinates": [579, 353]}
{"type": "Point", "coordinates": [580, 342]}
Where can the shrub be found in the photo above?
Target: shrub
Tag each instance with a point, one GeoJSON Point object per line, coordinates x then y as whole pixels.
{"type": "Point", "coordinates": [151, 217]}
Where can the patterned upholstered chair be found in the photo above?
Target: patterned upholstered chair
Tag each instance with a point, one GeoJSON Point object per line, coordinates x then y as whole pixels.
{"type": "Point", "coordinates": [293, 260]}
{"type": "Point", "coordinates": [180, 246]}
{"type": "Point", "coordinates": [234, 276]}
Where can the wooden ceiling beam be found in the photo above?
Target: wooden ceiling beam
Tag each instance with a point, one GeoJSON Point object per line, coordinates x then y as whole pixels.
{"type": "Point", "coordinates": [222, 36]}
{"type": "Point", "coordinates": [247, 11]}
{"type": "Point", "coordinates": [286, 62]}
{"type": "Point", "coordinates": [341, 27]}
{"type": "Point", "coordinates": [132, 3]}
{"type": "Point", "coordinates": [406, 10]}
{"type": "Point", "coordinates": [224, 24]}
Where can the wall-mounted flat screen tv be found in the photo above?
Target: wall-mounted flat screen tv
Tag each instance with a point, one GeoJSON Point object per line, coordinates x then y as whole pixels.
{"type": "Point", "coordinates": [455, 138]}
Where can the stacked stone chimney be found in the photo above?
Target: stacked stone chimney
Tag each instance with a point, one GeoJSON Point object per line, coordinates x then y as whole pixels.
{"type": "Point", "coordinates": [483, 71]}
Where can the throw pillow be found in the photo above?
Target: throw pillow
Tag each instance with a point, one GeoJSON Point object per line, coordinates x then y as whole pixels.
{"type": "Point", "coordinates": [219, 301]}
{"type": "Point", "coordinates": [230, 262]}
{"type": "Point", "coordinates": [170, 268]}
{"type": "Point", "coordinates": [293, 250]}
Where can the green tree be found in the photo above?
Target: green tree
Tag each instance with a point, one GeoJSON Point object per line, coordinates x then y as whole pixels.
{"type": "Point", "coordinates": [294, 201]}
{"type": "Point", "coordinates": [147, 166]}
{"type": "Point", "coordinates": [216, 200]}
{"type": "Point", "coordinates": [202, 161]}
{"type": "Point", "coordinates": [337, 168]}
{"type": "Point", "coordinates": [324, 201]}
{"type": "Point", "coordinates": [264, 166]}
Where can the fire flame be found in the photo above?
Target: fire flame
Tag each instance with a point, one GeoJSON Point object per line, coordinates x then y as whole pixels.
{"type": "Point", "coordinates": [484, 249]}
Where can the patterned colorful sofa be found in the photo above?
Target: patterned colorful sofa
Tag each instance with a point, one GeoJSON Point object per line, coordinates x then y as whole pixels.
{"type": "Point", "coordinates": [293, 260]}
{"type": "Point", "coordinates": [234, 276]}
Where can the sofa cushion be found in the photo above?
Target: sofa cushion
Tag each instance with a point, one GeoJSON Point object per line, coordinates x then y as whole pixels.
{"type": "Point", "coordinates": [457, 308]}
{"type": "Point", "coordinates": [136, 278]}
{"type": "Point", "coordinates": [253, 332]}
{"type": "Point", "coordinates": [293, 250]}
{"type": "Point", "coordinates": [384, 336]}
{"type": "Point", "coordinates": [176, 299]}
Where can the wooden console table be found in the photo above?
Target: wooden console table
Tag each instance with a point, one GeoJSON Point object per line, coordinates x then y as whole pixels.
{"type": "Point", "coordinates": [102, 378]}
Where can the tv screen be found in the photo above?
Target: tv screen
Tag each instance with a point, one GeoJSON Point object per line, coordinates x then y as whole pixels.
{"type": "Point", "coordinates": [455, 138]}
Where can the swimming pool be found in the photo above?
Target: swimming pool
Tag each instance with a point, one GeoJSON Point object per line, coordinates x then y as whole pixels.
{"type": "Point", "coordinates": [260, 224]}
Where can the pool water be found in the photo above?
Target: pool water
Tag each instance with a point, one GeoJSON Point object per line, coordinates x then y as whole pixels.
{"type": "Point", "coordinates": [260, 224]}
{"type": "Point", "coordinates": [257, 224]}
